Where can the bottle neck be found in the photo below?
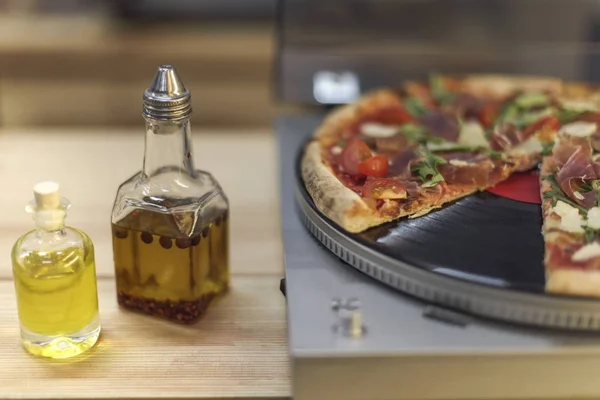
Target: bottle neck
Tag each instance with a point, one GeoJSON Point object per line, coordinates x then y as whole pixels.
{"type": "Point", "coordinates": [168, 148]}
{"type": "Point", "coordinates": [49, 223]}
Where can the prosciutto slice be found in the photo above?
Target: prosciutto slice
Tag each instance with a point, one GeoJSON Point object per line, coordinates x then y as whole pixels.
{"type": "Point", "coordinates": [441, 125]}
{"type": "Point", "coordinates": [391, 144]}
{"type": "Point", "coordinates": [577, 170]}
{"type": "Point", "coordinates": [466, 105]}
{"type": "Point", "coordinates": [505, 136]}
{"type": "Point", "coordinates": [568, 145]}
{"type": "Point", "coordinates": [400, 163]}
{"type": "Point", "coordinates": [412, 187]}
{"type": "Point", "coordinates": [466, 168]}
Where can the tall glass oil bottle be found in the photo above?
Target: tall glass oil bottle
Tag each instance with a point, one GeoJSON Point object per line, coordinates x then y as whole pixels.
{"type": "Point", "coordinates": [170, 222]}
{"type": "Point", "coordinates": [55, 280]}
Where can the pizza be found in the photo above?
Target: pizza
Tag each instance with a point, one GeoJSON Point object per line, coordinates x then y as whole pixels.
{"type": "Point", "coordinates": [407, 150]}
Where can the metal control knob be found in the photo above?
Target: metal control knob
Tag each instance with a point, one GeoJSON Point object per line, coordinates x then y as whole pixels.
{"type": "Point", "coordinates": [348, 317]}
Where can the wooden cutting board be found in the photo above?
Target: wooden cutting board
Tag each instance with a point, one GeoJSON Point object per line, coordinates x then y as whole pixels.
{"type": "Point", "coordinates": [237, 351]}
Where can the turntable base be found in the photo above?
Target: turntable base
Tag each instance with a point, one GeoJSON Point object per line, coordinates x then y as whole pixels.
{"type": "Point", "coordinates": [405, 347]}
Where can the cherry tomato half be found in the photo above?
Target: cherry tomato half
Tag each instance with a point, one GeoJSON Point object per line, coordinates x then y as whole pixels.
{"type": "Point", "coordinates": [550, 122]}
{"type": "Point", "coordinates": [355, 152]}
{"type": "Point", "coordinates": [384, 189]}
{"type": "Point", "coordinates": [375, 166]}
{"type": "Point", "coordinates": [394, 115]}
{"type": "Point", "coordinates": [488, 114]}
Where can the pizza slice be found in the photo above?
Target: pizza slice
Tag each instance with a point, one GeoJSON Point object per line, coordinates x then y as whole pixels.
{"type": "Point", "coordinates": [570, 185]}
{"type": "Point", "coordinates": [405, 152]}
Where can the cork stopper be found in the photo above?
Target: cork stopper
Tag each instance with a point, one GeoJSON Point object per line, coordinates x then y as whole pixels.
{"type": "Point", "coordinates": [47, 195]}
{"type": "Point", "coordinates": [48, 208]}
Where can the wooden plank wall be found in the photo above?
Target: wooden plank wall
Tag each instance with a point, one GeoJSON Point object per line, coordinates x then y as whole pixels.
{"type": "Point", "coordinates": [90, 70]}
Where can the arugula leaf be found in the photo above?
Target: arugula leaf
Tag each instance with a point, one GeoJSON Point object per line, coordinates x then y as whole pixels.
{"type": "Point", "coordinates": [585, 187]}
{"type": "Point", "coordinates": [566, 116]}
{"type": "Point", "coordinates": [492, 153]}
{"type": "Point", "coordinates": [443, 145]}
{"type": "Point", "coordinates": [415, 107]}
{"type": "Point", "coordinates": [529, 117]}
{"type": "Point", "coordinates": [439, 93]}
{"type": "Point", "coordinates": [547, 148]}
{"type": "Point", "coordinates": [414, 133]}
{"type": "Point", "coordinates": [557, 194]}
{"type": "Point", "coordinates": [521, 111]}
{"type": "Point", "coordinates": [508, 109]}
{"type": "Point", "coordinates": [596, 185]}
{"type": "Point", "coordinates": [530, 100]}
{"type": "Point", "coordinates": [427, 170]}
{"type": "Point", "coordinates": [589, 234]}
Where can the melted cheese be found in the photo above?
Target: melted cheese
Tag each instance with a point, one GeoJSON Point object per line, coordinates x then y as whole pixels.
{"type": "Point", "coordinates": [530, 146]}
{"type": "Point", "coordinates": [375, 130]}
{"type": "Point", "coordinates": [590, 250]}
{"type": "Point", "coordinates": [336, 150]}
{"type": "Point", "coordinates": [580, 105]}
{"type": "Point", "coordinates": [593, 218]}
{"type": "Point", "coordinates": [460, 163]}
{"type": "Point", "coordinates": [579, 129]}
{"type": "Point", "coordinates": [472, 134]}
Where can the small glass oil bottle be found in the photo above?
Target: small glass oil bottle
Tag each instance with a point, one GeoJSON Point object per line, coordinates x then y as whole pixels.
{"type": "Point", "coordinates": [55, 280]}
{"type": "Point", "coordinates": [170, 221]}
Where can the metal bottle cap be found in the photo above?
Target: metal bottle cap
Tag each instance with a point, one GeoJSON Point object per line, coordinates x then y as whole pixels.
{"type": "Point", "coordinates": [167, 98]}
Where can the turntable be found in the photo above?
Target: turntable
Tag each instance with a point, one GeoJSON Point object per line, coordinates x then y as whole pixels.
{"type": "Point", "coordinates": [438, 307]}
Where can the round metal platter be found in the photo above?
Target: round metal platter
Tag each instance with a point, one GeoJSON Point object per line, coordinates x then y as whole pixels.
{"type": "Point", "coordinates": [482, 255]}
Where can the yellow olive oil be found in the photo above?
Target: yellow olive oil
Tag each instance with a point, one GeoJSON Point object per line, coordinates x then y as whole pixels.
{"type": "Point", "coordinates": [55, 284]}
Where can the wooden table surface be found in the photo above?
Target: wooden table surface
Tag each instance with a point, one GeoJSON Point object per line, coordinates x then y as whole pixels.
{"type": "Point", "coordinates": [237, 351]}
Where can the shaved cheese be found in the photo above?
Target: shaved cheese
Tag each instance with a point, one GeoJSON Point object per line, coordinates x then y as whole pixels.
{"type": "Point", "coordinates": [579, 129]}
{"type": "Point", "coordinates": [572, 223]}
{"type": "Point", "coordinates": [460, 163]}
{"type": "Point", "coordinates": [580, 105]}
{"type": "Point", "coordinates": [376, 130]}
{"type": "Point", "coordinates": [570, 219]}
{"type": "Point", "coordinates": [443, 146]}
{"type": "Point", "coordinates": [561, 209]}
{"type": "Point", "coordinates": [590, 250]}
{"type": "Point", "coordinates": [472, 134]}
{"type": "Point", "coordinates": [530, 146]}
{"type": "Point", "coordinates": [578, 195]}
{"type": "Point", "coordinates": [336, 150]}
{"type": "Point", "coordinates": [593, 218]}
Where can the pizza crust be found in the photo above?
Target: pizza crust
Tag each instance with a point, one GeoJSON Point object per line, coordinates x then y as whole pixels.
{"type": "Point", "coordinates": [332, 198]}
{"type": "Point", "coordinates": [504, 85]}
{"type": "Point", "coordinates": [341, 117]}
{"type": "Point", "coordinates": [573, 281]}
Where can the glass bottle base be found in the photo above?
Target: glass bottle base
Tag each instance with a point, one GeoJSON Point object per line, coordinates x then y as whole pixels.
{"type": "Point", "coordinates": [61, 346]}
{"type": "Point", "coordinates": [179, 311]}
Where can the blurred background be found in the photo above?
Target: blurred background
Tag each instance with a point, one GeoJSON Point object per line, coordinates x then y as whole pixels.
{"type": "Point", "coordinates": [87, 62]}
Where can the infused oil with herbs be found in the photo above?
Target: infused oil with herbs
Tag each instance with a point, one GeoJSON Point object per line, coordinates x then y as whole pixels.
{"type": "Point", "coordinates": [160, 271]}
{"type": "Point", "coordinates": [170, 222]}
